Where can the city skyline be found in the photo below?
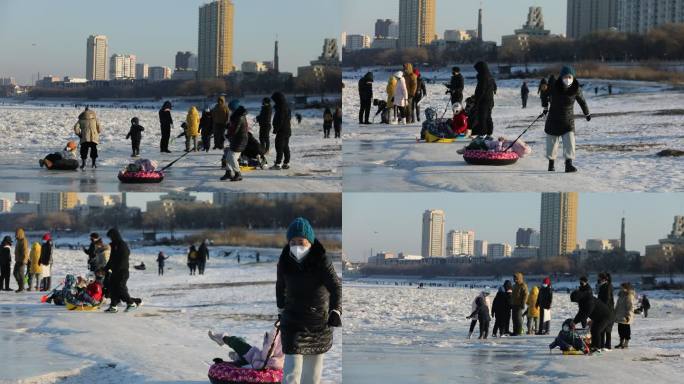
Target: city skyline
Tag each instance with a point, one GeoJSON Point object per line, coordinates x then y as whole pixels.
{"type": "Point", "coordinates": [500, 17]}
{"type": "Point", "coordinates": [134, 199]}
{"type": "Point", "coordinates": [395, 223]}
{"type": "Point", "coordinates": [61, 52]}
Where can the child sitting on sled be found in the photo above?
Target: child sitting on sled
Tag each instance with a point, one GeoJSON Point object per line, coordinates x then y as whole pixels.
{"type": "Point", "coordinates": [569, 340]}
{"type": "Point", "coordinates": [459, 122]}
{"type": "Point", "coordinates": [87, 293]}
{"type": "Point", "coordinates": [248, 356]}
{"type": "Point", "coordinates": [482, 313]}
{"type": "Point", "coordinates": [68, 153]}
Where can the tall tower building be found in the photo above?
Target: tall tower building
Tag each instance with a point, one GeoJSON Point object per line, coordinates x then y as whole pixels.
{"type": "Point", "coordinates": [416, 22]}
{"type": "Point", "coordinates": [479, 25]}
{"type": "Point", "coordinates": [96, 58]}
{"type": "Point", "coordinates": [460, 243]}
{"type": "Point", "coordinates": [587, 16]}
{"type": "Point", "coordinates": [638, 16]}
{"type": "Point", "coordinates": [433, 233]}
{"type": "Point", "coordinates": [276, 59]}
{"type": "Point", "coordinates": [215, 43]}
{"type": "Point", "coordinates": [57, 201]}
{"type": "Point", "coordinates": [623, 236]}
{"type": "Point", "coordinates": [122, 67]}
{"type": "Point", "coordinates": [558, 224]}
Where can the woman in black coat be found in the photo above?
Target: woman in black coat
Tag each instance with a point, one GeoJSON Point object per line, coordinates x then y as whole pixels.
{"type": "Point", "coordinates": [166, 122]}
{"type": "Point", "coordinates": [282, 130]}
{"type": "Point", "coordinates": [118, 264]}
{"type": "Point", "coordinates": [605, 294]}
{"type": "Point", "coordinates": [544, 300]}
{"type": "Point", "coordinates": [238, 138]}
{"type": "Point", "coordinates": [309, 299]}
{"type": "Point", "coordinates": [484, 100]}
{"type": "Point", "coordinates": [599, 313]}
{"type": "Point", "coordinates": [5, 263]}
{"type": "Point", "coordinates": [501, 309]}
{"type": "Point", "coordinates": [560, 122]}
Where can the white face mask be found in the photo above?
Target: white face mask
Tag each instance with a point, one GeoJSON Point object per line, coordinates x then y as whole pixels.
{"type": "Point", "coordinates": [299, 251]}
{"type": "Point", "coordinates": [567, 81]}
{"type": "Point", "coordinates": [566, 328]}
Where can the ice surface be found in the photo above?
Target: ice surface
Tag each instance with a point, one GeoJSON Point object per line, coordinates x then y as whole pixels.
{"type": "Point", "coordinates": [32, 130]}
{"type": "Point", "coordinates": [164, 341]}
{"type": "Point", "coordinates": [615, 151]}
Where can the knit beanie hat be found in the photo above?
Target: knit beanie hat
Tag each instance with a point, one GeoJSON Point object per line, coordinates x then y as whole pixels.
{"type": "Point", "coordinates": [301, 227]}
{"type": "Point", "coordinates": [567, 70]}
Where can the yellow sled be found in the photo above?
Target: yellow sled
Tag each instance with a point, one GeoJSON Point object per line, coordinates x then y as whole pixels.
{"type": "Point", "coordinates": [573, 352]}
{"type": "Point", "coordinates": [247, 168]}
{"type": "Point", "coordinates": [86, 308]}
{"type": "Point", "coordinates": [430, 138]}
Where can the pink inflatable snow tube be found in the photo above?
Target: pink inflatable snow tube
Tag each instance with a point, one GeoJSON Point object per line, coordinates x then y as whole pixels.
{"type": "Point", "coordinates": [482, 157]}
{"type": "Point", "coordinates": [141, 177]}
{"type": "Point", "coordinates": [228, 373]}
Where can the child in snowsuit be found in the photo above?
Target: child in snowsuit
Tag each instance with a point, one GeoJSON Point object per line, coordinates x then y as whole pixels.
{"type": "Point", "coordinates": [270, 355]}
{"type": "Point", "coordinates": [568, 339]}
{"type": "Point", "coordinates": [482, 312]}
{"type": "Point", "coordinates": [327, 123]}
{"type": "Point", "coordinates": [35, 269]}
{"type": "Point", "coordinates": [135, 134]}
{"type": "Point", "coordinates": [192, 121]}
{"type": "Point", "coordinates": [485, 296]}
{"type": "Point", "coordinates": [160, 263]}
{"type": "Point", "coordinates": [68, 153]}
{"type": "Point", "coordinates": [206, 129]}
{"type": "Point", "coordinates": [459, 122]}
{"type": "Point", "coordinates": [337, 122]}
{"type": "Point", "coordinates": [532, 311]}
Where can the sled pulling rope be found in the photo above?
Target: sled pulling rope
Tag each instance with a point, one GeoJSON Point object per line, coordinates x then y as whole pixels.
{"type": "Point", "coordinates": [174, 162]}
{"type": "Point", "coordinates": [525, 131]}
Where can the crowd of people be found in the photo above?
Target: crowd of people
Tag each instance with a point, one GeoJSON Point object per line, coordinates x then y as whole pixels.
{"type": "Point", "coordinates": [515, 301]}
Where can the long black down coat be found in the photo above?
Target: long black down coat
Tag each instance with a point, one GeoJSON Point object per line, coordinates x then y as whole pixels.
{"type": "Point", "coordinates": [501, 306]}
{"type": "Point", "coordinates": [590, 307]}
{"type": "Point", "coordinates": [238, 130]}
{"type": "Point", "coordinates": [306, 292]}
{"type": "Point", "coordinates": [282, 116]}
{"type": "Point", "coordinates": [561, 117]}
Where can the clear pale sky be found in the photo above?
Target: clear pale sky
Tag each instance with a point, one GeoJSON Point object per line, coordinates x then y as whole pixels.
{"type": "Point", "coordinates": [154, 30]}
{"type": "Point", "coordinates": [500, 17]}
{"type": "Point", "coordinates": [392, 221]}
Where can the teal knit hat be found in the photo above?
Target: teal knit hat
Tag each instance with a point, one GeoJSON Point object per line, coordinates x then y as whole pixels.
{"type": "Point", "coordinates": [301, 227]}
{"type": "Point", "coordinates": [567, 70]}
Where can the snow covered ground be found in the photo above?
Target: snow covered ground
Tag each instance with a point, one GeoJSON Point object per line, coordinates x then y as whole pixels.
{"type": "Point", "coordinates": [31, 131]}
{"type": "Point", "coordinates": [165, 341]}
{"type": "Point", "coordinates": [615, 151]}
{"type": "Point", "coordinates": [406, 335]}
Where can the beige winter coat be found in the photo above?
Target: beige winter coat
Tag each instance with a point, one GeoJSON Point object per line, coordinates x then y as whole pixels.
{"type": "Point", "coordinates": [101, 256]}
{"type": "Point", "coordinates": [624, 308]}
{"type": "Point", "coordinates": [88, 128]}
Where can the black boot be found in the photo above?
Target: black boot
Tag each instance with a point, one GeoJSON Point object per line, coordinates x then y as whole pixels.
{"type": "Point", "coordinates": [619, 346]}
{"type": "Point", "coordinates": [569, 167]}
{"type": "Point", "coordinates": [552, 168]}
{"type": "Point", "coordinates": [625, 344]}
{"type": "Point", "coordinates": [237, 177]}
{"type": "Point", "coordinates": [93, 163]}
{"type": "Point", "coordinates": [83, 164]}
{"type": "Point", "coordinates": [227, 176]}
{"type": "Point", "coordinates": [223, 164]}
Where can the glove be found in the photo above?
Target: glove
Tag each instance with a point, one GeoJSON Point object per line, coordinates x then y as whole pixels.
{"type": "Point", "coordinates": [545, 112]}
{"type": "Point", "coordinates": [588, 117]}
{"type": "Point", "coordinates": [335, 319]}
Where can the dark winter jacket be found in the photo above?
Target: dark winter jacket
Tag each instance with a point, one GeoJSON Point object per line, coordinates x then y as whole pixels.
{"type": "Point", "coordinates": [645, 304]}
{"type": "Point", "coordinates": [605, 294]}
{"type": "Point", "coordinates": [135, 133]}
{"type": "Point", "coordinates": [366, 87]}
{"type": "Point", "coordinates": [456, 86]}
{"type": "Point", "coordinates": [237, 133]}
{"type": "Point", "coordinates": [520, 291]}
{"type": "Point", "coordinates": [421, 90]}
{"type": "Point", "coordinates": [161, 259]}
{"type": "Point", "coordinates": [165, 119]}
{"type": "Point", "coordinates": [524, 91]}
{"type": "Point", "coordinates": [282, 116]}
{"type": "Point", "coordinates": [46, 253]}
{"type": "Point", "coordinates": [561, 117]}
{"type": "Point", "coordinates": [590, 307]}
{"type": "Point", "coordinates": [327, 119]}
{"type": "Point", "coordinates": [337, 119]}
{"type": "Point", "coordinates": [203, 252]}
{"type": "Point", "coordinates": [6, 255]}
{"type": "Point", "coordinates": [264, 119]}
{"type": "Point", "coordinates": [545, 297]}
{"type": "Point", "coordinates": [486, 86]}
{"type": "Point", "coordinates": [501, 306]}
{"type": "Point", "coordinates": [206, 124]}
{"type": "Point", "coordinates": [306, 292]}
{"type": "Point", "coordinates": [118, 258]}
{"type": "Point", "coordinates": [481, 312]}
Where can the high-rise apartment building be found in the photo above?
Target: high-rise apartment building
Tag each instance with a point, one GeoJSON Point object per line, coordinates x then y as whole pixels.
{"type": "Point", "coordinates": [586, 16]}
{"type": "Point", "coordinates": [96, 58]}
{"type": "Point", "coordinates": [433, 233]}
{"type": "Point", "coordinates": [481, 248]}
{"type": "Point", "coordinates": [460, 243]}
{"type": "Point", "coordinates": [416, 22]}
{"type": "Point", "coordinates": [215, 43]}
{"type": "Point", "coordinates": [558, 224]}
{"type": "Point", "coordinates": [638, 16]}
{"type": "Point", "coordinates": [122, 67]}
{"type": "Point", "coordinates": [57, 201]}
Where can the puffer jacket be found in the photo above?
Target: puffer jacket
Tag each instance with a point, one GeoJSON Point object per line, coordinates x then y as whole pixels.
{"type": "Point", "coordinates": [88, 127]}
{"type": "Point", "coordinates": [192, 120]}
{"type": "Point", "coordinates": [306, 292]}
{"type": "Point", "coordinates": [119, 254]}
{"type": "Point", "coordinates": [519, 291]}
{"type": "Point", "coordinates": [532, 309]}
{"type": "Point", "coordinates": [391, 86]}
{"type": "Point", "coordinates": [487, 302]}
{"type": "Point", "coordinates": [561, 117]}
{"type": "Point", "coordinates": [366, 86]}
{"type": "Point", "coordinates": [605, 294]}
{"type": "Point", "coordinates": [400, 93]}
{"type": "Point", "coordinates": [545, 298]}
{"type": "Point", "coordinates": [101, 259]}
{"type": "Point", "coordinates": [589, 307]}
{"type": "Point", "coordinates": [501, 307]}
{"type": "Point", "coordinates": [486, 86]}
{"type": "Point", "coordinates": [624, 308]}
{"type": "Point", "coordinates": [36, 268]}
{"type": "Point", "coordinates": [411, 80]}
{"type": "Point", "coordinates": [21, 249]}
{"type": "Point", "coordinates": [220, 113]}
{"type": "Point", "coordinates": [238, 132]}
{"type": "Point", "coordinates": [282, 116]}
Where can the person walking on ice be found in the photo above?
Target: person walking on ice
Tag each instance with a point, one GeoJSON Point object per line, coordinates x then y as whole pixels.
{"type": "Point", "coordinates": [135, 134]}
{"type": "Point", "coordinates": [560, 120]}
{"type": "Point", "coordinates": [161, 258]}
{"type": "Point", "coordinates": [88, 130]}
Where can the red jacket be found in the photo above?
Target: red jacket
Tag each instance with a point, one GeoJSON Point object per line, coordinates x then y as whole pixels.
{"type": "Point", "coordinates": [94, 290]}
{"type": "Point", "coordinates": [459, 123]}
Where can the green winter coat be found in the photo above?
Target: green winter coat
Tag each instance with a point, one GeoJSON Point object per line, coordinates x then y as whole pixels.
{"type": "Point", "coordinates": [21, 250]}
{"type": "Point", "coordinates": [519, 298]}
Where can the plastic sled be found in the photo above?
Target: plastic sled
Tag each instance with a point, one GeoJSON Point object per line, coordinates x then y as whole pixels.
{"type": "Point", "coordinates": [573, 352]}
{"type": "Point", "coordinates": [63, 165]}
{"type": "Point", "coordinates": [82, 307]}
{"type": "Point", "coordinates": [229, 373]}
{"type": "Point", "coordinates": [141, 177]}
{"type": "Point", "coordinates": [482, 157]}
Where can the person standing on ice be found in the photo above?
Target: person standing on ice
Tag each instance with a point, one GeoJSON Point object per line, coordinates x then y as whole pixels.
{"type": "Point", "coordinates": [161, 258]}
{"type": "Point", "coordinates": [365, 97]}
{"type": "Point", "coordinates": [327, 123]}
{"type": "Point", "coordinates": [118, 264]}
{"type": "Point", "coordinates": [560, 120]}
{"type": "Point", "coordinates": [605, 294]}
{"type": "Point", "coordinates": [584, 286]}
{"type": "Point", "coordinates": [601, 316]}
{"type": "Point", "coordinates": [309, 299]}
{"type": "Point", "coordinates": [282, 129]}
{"type": "Point", "coordinates": [501, 309]}
{"type": "Point", "coordinates": [165, 123]}
{"type": "Point", "coordinates": [486, 301]}
{"type": "Point", "coordinates": [456, 86]}
{"type": "Point", "coordinates": [524, 92]}
{"type": "Point", "coordinates": [5, 263]}
{"type": "Point", "coordinates": [624, 314]}
{"type": "Point", "coordinates": [645, 305]}
{"type": "Point", "coordinates": [21, 258]}
{"type": "Point", "coordinates": [264, 120]}
{"type": "Point", "coordinates": [238, 137]}
{"type": "Point", "coordinates": [421, 92]}
{"type": "Point", "coordinates": [337, 122]}
{"type": "Point", "coordinates": [544, 301]}
{"type": "Point", "coordinates": [220, 115]}
{"type": "Point", "coordinates": [192, 120]}
{"type": "Point", "coordinates": [46, 250]}
{"type": "Point", "coordinates": [484, 100]}
{"type": "Point", "coordinates": [135, 134]}
{"type": "Point", "coordinates": [206, 129]}
{"type": "Point", "coordinates": [482, 312]}
{"type": "Point", "coordinates": [518, 301]}
{"type": "Point", "coordinates": [192, 259]}
{"type": "Point", "coordinates": [88, 130]}
{"type": "Point", "coordinates": [202, 256]}
{"type": "Point", "coordinates": [533, 311]}
{"type": "Point", "coordinates": [35, 269]}
{"type": "Point", "coordinates": [411, 81]}
{"type": "Point", "coordinates": [401, 98]}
